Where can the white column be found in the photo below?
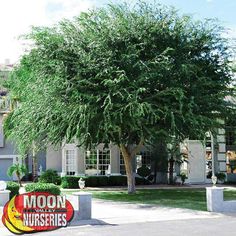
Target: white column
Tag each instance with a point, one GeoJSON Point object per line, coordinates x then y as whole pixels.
{"type": "Point", "coordinates": [82, 204]}
{"type": "Point", "coordinates": [115, 159]}
{"type": "Point", "coordinates": [76, 161]}
{"type": "Point", "coordinates": [215, 199]}
{"type": "Point", "coordinates": [81, 161]}
{"type": "Point", "coordinates": [63, 173]}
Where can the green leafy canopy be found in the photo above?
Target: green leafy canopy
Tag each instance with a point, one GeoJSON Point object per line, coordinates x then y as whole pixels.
{"type": "Point", "coordinates": [120, 74]}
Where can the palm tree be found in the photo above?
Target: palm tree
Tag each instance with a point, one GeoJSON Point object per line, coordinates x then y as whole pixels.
{"type": "Point", "coordinates": [18, 169]}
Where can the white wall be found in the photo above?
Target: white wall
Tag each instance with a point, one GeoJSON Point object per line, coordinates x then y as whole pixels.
{"type": "Point", "coordinates": [54, 159]}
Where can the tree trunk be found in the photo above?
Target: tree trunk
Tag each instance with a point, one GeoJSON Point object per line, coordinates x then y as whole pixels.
{"type": "Point", "coordinates": [130, 176]}
{"type": "Point", "coordinates": [128, 168]}
{"type": "Point", "coordinates": [34, 164]}
{"type": "Point", "coordinates": [19, 179]}
{"type": "Point", "coordinates": [34, 169]}
{"type": "Point", "coordinates": [171, 170]}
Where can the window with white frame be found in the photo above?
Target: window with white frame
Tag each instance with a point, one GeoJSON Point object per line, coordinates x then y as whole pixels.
{"type": "Point", "coordinates": [70, 162]}
{"type": "Point", "coordinates": [97, 162]}
{"type": "Point", "coordinates": [122, 165]}
{"type": "Point", "coordinates": [142, 158]}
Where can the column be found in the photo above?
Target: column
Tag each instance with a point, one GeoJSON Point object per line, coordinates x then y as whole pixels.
{"type": "Point", "coordinates": [63, 173]}
{"type": "Point", "coordinates": [115, 159]}
{"type": "Point", "coordinates": [80, 161]}
{"type": "Point", "coordinates": [215, 199]}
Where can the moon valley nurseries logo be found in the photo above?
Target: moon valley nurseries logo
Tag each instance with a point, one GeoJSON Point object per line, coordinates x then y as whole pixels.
{"type": "Point", "coordinates": [35, 212]}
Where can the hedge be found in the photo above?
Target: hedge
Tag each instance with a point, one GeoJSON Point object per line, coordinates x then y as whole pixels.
{"type": "Point", "coordinates": [98, 181]}
{"type": "Point", "coordinates": [43, 187]}
{"type": "Point", "coordinates": [13, 187]}
{"type": "Point", "coordinates": [119, 180]}
{"type": "Point", "coordinates": [70, 181]}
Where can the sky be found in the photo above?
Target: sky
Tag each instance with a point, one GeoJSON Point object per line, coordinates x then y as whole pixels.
{"type": "Point", "coordinates": [17, 17]}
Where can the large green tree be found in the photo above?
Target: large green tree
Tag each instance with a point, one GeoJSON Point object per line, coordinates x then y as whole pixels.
{"type": "Point", "coordinates": [121, 75]}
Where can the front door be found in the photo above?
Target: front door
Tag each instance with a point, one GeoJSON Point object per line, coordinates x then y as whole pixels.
{"type": "Point", "coordinates": [196, 162]}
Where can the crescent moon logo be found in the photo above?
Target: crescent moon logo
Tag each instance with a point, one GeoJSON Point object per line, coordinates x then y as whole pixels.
{"type": "Point", "coordinates": [36, 212]}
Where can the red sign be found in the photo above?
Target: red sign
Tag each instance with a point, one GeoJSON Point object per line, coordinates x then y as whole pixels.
{"type": "Point", "coordinates": [35, 212]}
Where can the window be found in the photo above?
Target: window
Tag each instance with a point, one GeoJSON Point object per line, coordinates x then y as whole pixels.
{"type": "Point", "coordinates": [70, 162]}
{"type": "Point", "coordinates": [142, 158]}
{"type": "Point", "coordinates": [231, 162]}
{"type": "Point", "coordinates": [104, 161]}
{"type": "Point", "coordinates": [122, 165]}
{"type": "Point", "coordinates": [97, 162]}
{"type": "Point", "coordinates": [208, 157]}
{"type": "Point", "coordinates": [230, 135]}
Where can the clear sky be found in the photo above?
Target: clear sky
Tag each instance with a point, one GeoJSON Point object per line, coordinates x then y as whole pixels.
{"type": "Point", "coordinates": [16, 16]}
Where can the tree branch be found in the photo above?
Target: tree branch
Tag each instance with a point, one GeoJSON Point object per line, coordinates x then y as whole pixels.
{"type": "Point", "coordinates": [138, 147]}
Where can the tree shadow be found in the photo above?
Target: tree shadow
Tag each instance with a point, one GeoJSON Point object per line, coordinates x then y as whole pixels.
{"type": "Point", "coordinates": [91, 222]}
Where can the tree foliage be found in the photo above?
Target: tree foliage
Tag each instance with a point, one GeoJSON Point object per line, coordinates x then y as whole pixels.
{"type": "Point", "coordinates": [120, 74]}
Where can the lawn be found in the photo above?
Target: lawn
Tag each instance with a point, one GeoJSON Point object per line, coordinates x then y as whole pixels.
{"type": "Point", "coordinates": [181, 198]}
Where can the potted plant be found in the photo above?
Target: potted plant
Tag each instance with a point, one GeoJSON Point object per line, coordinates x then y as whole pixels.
{"type": "Point", "coordinates": [183, 177]}
{"type": "Point", "coordinates": [220, 177]}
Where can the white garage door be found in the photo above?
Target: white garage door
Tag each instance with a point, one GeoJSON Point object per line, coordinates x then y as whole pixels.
{"type": "Point", "coordinates": [5, 163]}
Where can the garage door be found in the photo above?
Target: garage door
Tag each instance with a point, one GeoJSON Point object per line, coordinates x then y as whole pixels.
{"type": "Point", "coordinates": [4, 165]}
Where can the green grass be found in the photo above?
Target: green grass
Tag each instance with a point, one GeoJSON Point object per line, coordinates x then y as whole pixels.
{"type": "Point", "coordinates": [229, 194]}
{"type": "Point", "coordinates": [194, 199]}
{"type": "Point", "coordinates": [190, 199]}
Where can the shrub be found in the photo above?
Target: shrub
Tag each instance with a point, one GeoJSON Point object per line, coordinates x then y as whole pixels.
{"type": "Point", "coordinates": [221, 176]}
{"type": "Point", "coordinates": [143, 171]}
{"type": "Point", "coordinates": [13, 187]}
{"type": "Point", "coordinates": [151, 178]}
{"type": "Point", "coordinates": [209, 175]}
{"type": "Point", "coordinates": [183, 177]}
{"type": "Point", "coordinates": [50, 176]}
{"type": "Point", "coordinates": [43, 187]}
{"type": "Point", "coordinates": [92, 181]}
{"type": "Point", "coordinates": [70, 182]}
{"type": "Point", "coordinates": [141, 181]}
{"type": "Point", "coordinates": [119, 180]}
{"type": "Point", "coordinates": [97, 181]}
{"type": "Point", "coordinates": [103, 180]}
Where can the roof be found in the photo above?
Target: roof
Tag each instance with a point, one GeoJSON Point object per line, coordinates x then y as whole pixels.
{"type": "Point", "coordinates": [4, 67]}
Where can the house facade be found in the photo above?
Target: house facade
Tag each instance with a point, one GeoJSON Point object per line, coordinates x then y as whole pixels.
{"type": "Point", "coordinates": [8, 154]}
{"type": "Point", "coordinates": [8, 151]}
{"type": "Point", "coordinates": [201, 159]}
